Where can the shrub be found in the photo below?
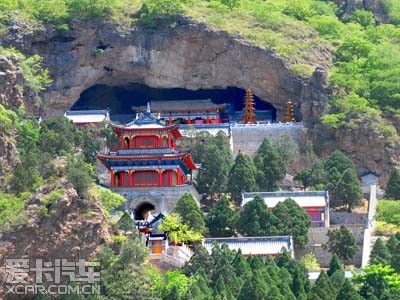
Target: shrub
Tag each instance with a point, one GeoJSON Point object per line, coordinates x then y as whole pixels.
{"type": "Point", "coordinates": [8, 119]}
{"type": "Point", "coordinates": [110, 200]}
{"type": "Point", "coordinates": [389, 211]}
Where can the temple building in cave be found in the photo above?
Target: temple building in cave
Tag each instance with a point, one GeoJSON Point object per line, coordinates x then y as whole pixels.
{"type": "Point", "coordinates": [147, 168]}
{"type": "Point", "coordinates": [195, 112]}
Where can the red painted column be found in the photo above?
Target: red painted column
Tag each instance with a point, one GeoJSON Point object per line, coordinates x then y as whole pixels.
{"type": "Point", "coordinates": [178, 177]}
{"type": "Point", "coordinates": [208, 120]}
{"type": "Point", "coordinates": [112, 177]}
{"type": "Point", "coordinates": [170, 121]}
{"type": "Point", "coordinates": [170, 178]}
{"type": "Point", "coordinates": [169, 142]}
{"type": "Point", "coordinates": [189, 121]}
{"type": "Point", "coordinates": [160, 177]}
{"type": "Point", "coordinates": [122, 141]}
{"type": "Point", "coordinates": [130, 178]}
{"type": "Point", "coordinates": [133, 178]}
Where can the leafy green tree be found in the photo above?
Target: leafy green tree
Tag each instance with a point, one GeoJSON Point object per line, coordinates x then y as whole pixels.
{"type": "Point", "coordinates": [342, 243]}
{"type": "Point", "coordinates": [291, 219]}
{"type": "Point", "coordinates": [242, 177]}
{"type": "Point", "coordinates": [270, 166]}
{"type": "Point", "coordinates": [376, 279]}
{"type": "Point", "coordinates": [310, 261]}
{"type": "Point", "coordinates": [200, 260]}
{"type": "Point", "coordinates": [214, 154]}
{"type": "Point", "coordinates": [173, 294]}
{"type": "Point", "coordinates": [393, 185]}
{"type": "Point", "coordinates": [337, 279]}
{"type": "Point", "coordinates": [304, 176]}
{"type": "Point", "coordinates": [123, 276]}
{"type": "Point", "coordinates": [221, 219]}
{"type": "Point", "coordinates": [255, 219]}
{"type": "Point", "coordinates": [190, 212]}
{"type": "Point", "coordinates": [379, 254]}
{"type": "Point", "coordinates": [334, 265]}
{"type": "Point", "coordinates": [126, 223]}
{"type": "Point", "coordinates": [322, 289]}
{"type": "Point", "coordinates": [348, 189]}
{"type": "Point", "coordinates": [348, 292]}
{"type": "Point", "coordinates": [79, 176]}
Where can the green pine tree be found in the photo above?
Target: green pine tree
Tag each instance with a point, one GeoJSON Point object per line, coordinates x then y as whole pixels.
{"type": "Point", "coordinates": [322, 289]}
{"type": "Point", "coordinates": [347, 292]}
{"type": "Point", "coordinates": [393, 185]}
{"type": "Point", "coordinates": [221, 219]}
{"type": "Point", "coordinates": [379, 254]}
{"type": "Point", "coordinates": [291, 219]}
{"type": "Point", "coordinates": [334, 265]}
{"type": "Point", "coordinates": [191, 213]}
{"type": "Point", "coordinates": [255, 219]}
{"type": "Point", "coordinates": [342, 243]}
{"type": "Point", "coordinates": [242, 177]}
{"type": "Point", "coordinates": [270, 166]}
{"type": "Point", "coordinates": [337, 279]}
{"type": "Point", "coordinates": [298, 285]}
{"type": "Point", "coordinates": [348, 190]}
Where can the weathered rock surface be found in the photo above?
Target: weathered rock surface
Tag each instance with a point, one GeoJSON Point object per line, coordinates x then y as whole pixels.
{"type": "Point", "coordinates": [11, 97]}
{"type": "Point", "coordinates": [73, 228]}
{"type": "Point", "coordinates": [188, 56]}
{"type": "Point", "coordinates": [378, 7]}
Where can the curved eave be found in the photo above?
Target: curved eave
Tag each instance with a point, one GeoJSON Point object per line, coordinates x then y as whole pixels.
{"type": "Point", "coordinates": [140, 157]}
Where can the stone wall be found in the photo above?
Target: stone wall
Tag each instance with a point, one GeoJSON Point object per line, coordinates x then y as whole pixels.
{"type": "Point", "coordinates": [163, 198]}
{"type": "Point", "coordinates": [248, 138]}
{"type": "Point", "coordinates": [348, 218]}
{"type": "Point", "coordinates": [318, 236]}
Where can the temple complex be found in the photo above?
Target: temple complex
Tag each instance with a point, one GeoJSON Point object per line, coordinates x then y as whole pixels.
{"type": "Point", "coordinates": [148, 169]}
{"type": "Point", "coordinates": [187, 111]}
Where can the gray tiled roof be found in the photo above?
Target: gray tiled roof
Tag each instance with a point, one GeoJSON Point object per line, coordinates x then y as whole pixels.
{"type": "Point", "coordinates": [157, 106]}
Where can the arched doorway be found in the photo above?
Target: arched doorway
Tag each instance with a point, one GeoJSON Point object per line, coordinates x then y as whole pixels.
{"type": "Point", "coordinates": [144, 210]}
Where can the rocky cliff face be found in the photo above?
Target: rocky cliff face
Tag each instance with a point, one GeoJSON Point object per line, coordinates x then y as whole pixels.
{"type": "Point", "coordinates": [73, 228]}
{"type": "Point", "coordinates": [377, 7]}
{"type": "Point", "coordinates": [188, 56]}
{"type": "Point", "coordinates": [11, 97]}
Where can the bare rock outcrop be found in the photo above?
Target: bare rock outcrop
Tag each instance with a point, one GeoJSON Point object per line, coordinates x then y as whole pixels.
{"type": "Point", "coordinates": [73, 227]}
{"type": "Point", "coordinates": [190, 56]}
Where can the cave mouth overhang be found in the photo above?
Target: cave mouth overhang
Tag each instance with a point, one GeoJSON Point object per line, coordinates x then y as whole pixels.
{"type": "Point", "coordinates": [120, 99]}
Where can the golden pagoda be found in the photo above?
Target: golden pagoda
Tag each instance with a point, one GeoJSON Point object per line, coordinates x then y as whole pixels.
{"type": "Point", "coordinates": [289, 116]}
{"type": "Point", "coordinates": [249, 115]}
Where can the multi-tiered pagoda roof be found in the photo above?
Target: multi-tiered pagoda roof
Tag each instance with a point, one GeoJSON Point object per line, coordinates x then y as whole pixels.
{"type": "Point", "coordinates": [148, 154]}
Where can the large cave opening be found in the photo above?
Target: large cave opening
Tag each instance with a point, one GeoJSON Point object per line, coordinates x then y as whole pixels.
{"type": "Point", "coordinates": [120, 100]}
